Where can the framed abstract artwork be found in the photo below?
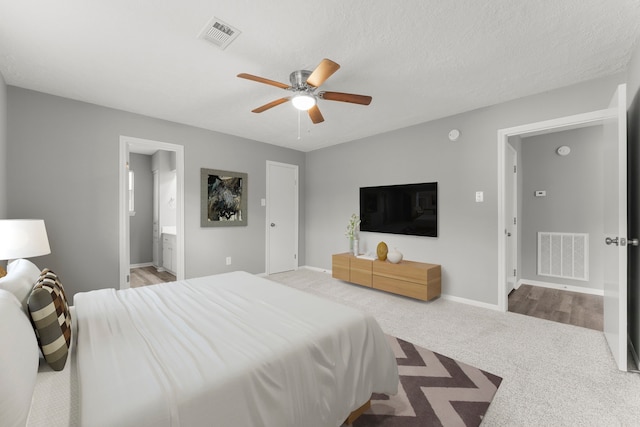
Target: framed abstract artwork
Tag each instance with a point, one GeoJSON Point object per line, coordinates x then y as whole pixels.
{"type": "Point", "coordinates": [223, 198]}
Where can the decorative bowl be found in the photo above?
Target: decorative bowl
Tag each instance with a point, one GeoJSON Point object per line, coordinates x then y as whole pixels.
{"type": "Point", "coordinates": [394, 256]}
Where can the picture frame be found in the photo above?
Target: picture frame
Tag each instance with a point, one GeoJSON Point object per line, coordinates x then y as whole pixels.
{"type": "Point", "coordinates": [223, 198]}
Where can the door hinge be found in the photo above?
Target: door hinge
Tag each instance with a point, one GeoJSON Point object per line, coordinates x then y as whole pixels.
{"type": "Point", "coordinates": [515, 222]}
{"type": "Point", "coordinates": [295, 256]}
{"type": "Point", "coordinates": [515, 169]}
{"type": "Point", "coordinates": [127, 278]}
{"type": "Point", "coordinates": [514, 271]}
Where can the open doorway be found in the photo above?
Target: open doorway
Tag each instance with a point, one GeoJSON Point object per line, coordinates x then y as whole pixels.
{"type": "Point", "coordinates": [513, 137]}
{"type": "Point", "coordinates": [614, 236]}
{"type": "Point", "coordinates": [560, 219]}
{"type": "Point", "coordinates": [151, 212]}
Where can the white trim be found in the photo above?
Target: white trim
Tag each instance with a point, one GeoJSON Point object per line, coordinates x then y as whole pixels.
{"type": "Point", "coordinates": [562, 287]}
{"type": "Point", "coordinates": [125, 143]}
{"type": "Point", "coordinates": [474, 303]}
{"type": "Point", "coordinates": [123, 216]}
{"type": "Point", "coordinates": [562, 123]}
{"type": "Point", "coordinates": [318, 269]}
{"type": "Point", "coordinates": [513, 153]}
{"type": "Point", "coordinates": [141, 265]}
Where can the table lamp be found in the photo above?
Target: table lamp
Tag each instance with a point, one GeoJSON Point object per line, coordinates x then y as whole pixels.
{"type": "Point", "coordinates": [22, 238]}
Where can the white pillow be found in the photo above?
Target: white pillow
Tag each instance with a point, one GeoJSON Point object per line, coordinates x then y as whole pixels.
{"type": "Point", "coordinates": [21, 276]}
{"type": "Point", "coordinates": [18, 361]}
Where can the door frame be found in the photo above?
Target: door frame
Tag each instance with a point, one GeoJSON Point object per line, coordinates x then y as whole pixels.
{"type": "Point", "coordinates": [537, 128]}
{"type": "Point", "coordinates": [268, 214]}
{"type": "Point", "coordinates": [512, 200]}
{"type": "Point", "coordinates": [126, 143]}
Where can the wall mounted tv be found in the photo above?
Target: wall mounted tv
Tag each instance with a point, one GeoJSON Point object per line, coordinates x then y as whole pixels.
{"type": "Point", "coordinates": [400, 209]}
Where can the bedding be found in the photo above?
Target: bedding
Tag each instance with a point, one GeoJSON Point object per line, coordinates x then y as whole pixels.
{"type": "Point", "coordinates": [226, 350]}
{"type": "Point", "coordinates": [18, 361]}
{"type": "Point", "coordinates": [22, 274]}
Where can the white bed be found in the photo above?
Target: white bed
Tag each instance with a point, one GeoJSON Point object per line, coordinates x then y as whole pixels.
{"type": "Point", "coordinates": [225, 350]}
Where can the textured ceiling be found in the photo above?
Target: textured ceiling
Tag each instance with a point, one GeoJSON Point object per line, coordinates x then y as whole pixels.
{"type": "Point", "coordinates": [419, 59]}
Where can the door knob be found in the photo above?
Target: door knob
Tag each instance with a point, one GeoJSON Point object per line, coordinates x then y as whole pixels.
{"type": "Point", "coordinates": [632, 242]}
{"type": "Point", "coordinates": [610, 241]}
{"type": "Point", "coordinates": [273, 224]}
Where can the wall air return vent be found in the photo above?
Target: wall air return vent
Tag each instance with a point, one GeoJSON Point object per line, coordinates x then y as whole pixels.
{"type": "Point", "coordinates": [564, 255]}
{"type": "Point", "coordinates": [219, 33]}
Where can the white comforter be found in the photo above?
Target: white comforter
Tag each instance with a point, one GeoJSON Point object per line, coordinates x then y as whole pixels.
{"type": "Point", "coordinates": [226, 350]}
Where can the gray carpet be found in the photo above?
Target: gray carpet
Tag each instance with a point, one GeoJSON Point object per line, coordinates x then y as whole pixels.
{"type": "Point", "coordinates": [553, 374]}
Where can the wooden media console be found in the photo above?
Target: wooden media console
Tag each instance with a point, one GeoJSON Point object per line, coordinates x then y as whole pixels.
{"type": "Point", "coordinates": [409, 278]}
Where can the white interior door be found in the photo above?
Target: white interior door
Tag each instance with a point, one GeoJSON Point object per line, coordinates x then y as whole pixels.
{"type": "Point", "coordinates": [615, 229]}
{"type": "Point", "coordinates": [511, 206]}
{"type": "Point", "coordinates": [282, 217]}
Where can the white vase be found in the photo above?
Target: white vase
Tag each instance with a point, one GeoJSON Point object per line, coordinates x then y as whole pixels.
{"type": "Point", "coordinates": [355, 247]}
{"type": "Point", "coordinates": [394, 256]}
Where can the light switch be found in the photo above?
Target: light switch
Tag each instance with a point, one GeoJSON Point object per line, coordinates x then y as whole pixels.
{"type": "Point", "coordinates": [541, 193]}
{"type": "Point", "coordinates": [479, 196]}
{"type": "Point", "coordinates": [263, 202]}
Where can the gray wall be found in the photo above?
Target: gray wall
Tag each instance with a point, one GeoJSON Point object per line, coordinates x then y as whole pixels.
{"type": "Point", "coordinates": [64, 168]}
{"type": "Point", "coordinates": [574, 201]}
{"type": "Point", "coordinates": [141, 224]}
{"type": "Point", "coordinates": [467, 244]}
{"type": "Point", "coordinates": [3, 148]}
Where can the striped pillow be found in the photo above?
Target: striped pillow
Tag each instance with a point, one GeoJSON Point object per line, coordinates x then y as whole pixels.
{"type": "Point", "coordinates": [51, 319]}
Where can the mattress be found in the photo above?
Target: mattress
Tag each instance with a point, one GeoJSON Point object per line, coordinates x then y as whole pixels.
{"type": "Point", "coordinates": [225, 350]}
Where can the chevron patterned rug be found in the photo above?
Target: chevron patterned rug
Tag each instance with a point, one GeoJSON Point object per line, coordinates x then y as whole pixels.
{"type": "Point", "coordinates": [434, 391]}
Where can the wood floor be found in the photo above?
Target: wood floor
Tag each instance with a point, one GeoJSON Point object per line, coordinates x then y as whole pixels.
{"type": "Point", "coordinates": [572, 308]}
{"type": "Point", "coordinates": [144, 276]}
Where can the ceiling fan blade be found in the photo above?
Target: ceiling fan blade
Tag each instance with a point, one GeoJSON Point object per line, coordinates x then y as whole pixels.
{"type": "Point", "coordinates": [346, 97]}
{"type": "Point", "coordinates": [315, 115]}
{"type": "Point", "coordinates": [322, 72]}
{"type": "Point", "coordinates": [272, 104]}
{"type": "Point", "coordinates": [263, 80]}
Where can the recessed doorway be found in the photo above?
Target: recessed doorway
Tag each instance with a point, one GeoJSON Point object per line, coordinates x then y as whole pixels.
{"type": "Point", "coordinates": [175, 203]}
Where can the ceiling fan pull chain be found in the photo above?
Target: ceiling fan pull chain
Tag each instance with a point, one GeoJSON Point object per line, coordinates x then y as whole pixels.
{"type": "Point", "coordinates": [298, 124]}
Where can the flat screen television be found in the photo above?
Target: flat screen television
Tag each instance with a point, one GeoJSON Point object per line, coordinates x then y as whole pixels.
{"type": "Point", "coordinates": [400, 209]}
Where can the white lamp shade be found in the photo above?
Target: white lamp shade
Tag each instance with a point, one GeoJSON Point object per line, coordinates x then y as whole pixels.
{"type": "Point", "coordinates": [303, 101]}
{"type": "Point", "coordinates": [23, 238]}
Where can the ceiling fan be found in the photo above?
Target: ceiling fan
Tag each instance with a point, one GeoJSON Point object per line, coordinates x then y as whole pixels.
{"type": "Point", "coordinates": [304, 85]}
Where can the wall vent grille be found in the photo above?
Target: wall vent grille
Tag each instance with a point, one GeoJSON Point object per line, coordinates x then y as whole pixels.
{"type": "Point", "coordinates": [564, 255]}
{"type": "Point", "coordinates": [219, 33]}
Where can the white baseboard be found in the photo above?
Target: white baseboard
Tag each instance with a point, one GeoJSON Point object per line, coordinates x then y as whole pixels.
{"type": "Point", "coordinates": [471, 302]}
{"type": "Point", "coordinates": [141, 265]}
{"type": "Point", "coordinates": [561, 287]}
{"type": "Point", "coordinates": [321, 270]}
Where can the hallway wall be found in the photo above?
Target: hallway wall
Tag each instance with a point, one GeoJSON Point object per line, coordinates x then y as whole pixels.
{"type": "Point", "coordinates": [141, 224]}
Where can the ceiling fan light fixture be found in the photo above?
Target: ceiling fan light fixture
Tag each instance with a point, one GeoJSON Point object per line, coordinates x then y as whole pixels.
{"type": "Point", "coordinates": [303, 101]}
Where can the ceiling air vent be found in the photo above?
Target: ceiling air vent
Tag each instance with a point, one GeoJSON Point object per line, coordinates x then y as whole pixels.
{"type": "Point", "coordinates": [219, 33]}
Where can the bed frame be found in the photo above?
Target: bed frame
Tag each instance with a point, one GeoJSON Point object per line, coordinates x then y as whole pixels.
{"type": "Point", "coordinates": [355, 414]}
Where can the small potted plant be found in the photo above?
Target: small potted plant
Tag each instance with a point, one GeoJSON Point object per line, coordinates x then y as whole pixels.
{"type": "Point", "coordinates": [352, 232]}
